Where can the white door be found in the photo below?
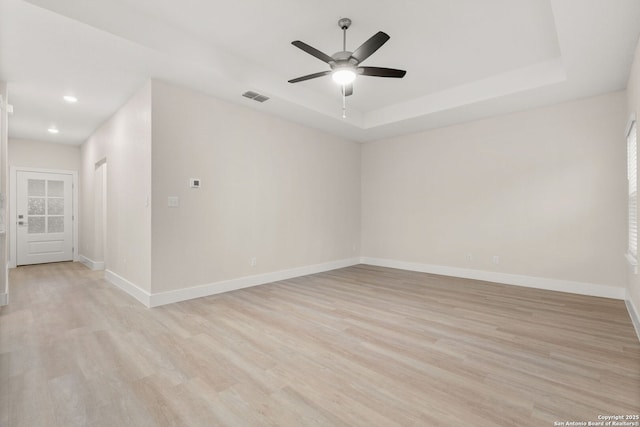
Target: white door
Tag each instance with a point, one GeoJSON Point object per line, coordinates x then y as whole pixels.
{"type": "Point", "coordinates": [44, 209]}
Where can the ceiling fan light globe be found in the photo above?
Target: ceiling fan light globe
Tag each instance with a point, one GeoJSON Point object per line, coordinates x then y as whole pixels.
{"type": "Point", "coordinates": [343, 76]}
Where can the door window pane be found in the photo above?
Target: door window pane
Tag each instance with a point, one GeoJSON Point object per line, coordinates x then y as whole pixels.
{"type": "Point", "coordinates": [35, 187]}
{"type": "Point", "coordinates": [55, 206]}
{"type": "Point", "coordinates": [35, 225]}
{"type": "Point", "coordinates": [55, 224]}
{"type": "Point", "coordinates": [36, 206]}
{"type": "Point", "coordinates": [56, 188]}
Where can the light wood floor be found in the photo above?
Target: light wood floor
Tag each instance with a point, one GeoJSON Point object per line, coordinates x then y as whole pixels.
{"type": "Point", "coordinates": [361, 346]}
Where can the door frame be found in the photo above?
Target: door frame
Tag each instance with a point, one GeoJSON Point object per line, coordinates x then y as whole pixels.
{"type": "Point", "coordinates": [13, 195]}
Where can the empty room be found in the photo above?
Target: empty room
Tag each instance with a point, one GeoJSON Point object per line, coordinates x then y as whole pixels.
{"type": "Point", "coordinates": [339, 213]}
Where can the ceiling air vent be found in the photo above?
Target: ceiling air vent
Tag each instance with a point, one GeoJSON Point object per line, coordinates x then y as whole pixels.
{"type": "Point", "coordinates": [255, 96]}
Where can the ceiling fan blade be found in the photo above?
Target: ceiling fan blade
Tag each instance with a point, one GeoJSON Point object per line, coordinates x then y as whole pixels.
{"type": "Point", "coordinates": [370, 46]}
{"type": "Point", "coordinates": [381, 72]}
{"type": "Point", "coordinates": [313, 51]}
{"type": "Point", "coordinates": [310, 76]}
{"type": "Point", "coordinates": [348, 89]}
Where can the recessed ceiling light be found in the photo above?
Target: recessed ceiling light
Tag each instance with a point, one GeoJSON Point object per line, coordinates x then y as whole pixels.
{"type": "Point", "coordinates": [53, 130]}
{"type": "Point", "coordinates": [70, 99]}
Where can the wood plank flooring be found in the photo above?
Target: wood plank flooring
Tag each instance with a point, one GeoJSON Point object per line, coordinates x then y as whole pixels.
{"type": "Point", "coordinates": [360, 346]}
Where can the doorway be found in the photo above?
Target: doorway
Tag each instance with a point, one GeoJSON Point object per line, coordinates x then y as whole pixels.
{"type": "Point", "coordinates": [100, 215]}
{"type": "Point", "coordinates": [43, 212]}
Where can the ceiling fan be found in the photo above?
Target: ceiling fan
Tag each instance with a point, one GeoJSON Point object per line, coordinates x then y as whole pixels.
{"type": "Point", "coordinates": [345, 65]}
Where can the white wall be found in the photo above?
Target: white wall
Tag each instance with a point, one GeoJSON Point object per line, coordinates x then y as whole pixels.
{"type": "Point", "coordinates": [4, 190]}
{"type": "Point", "coordinates": [633, 107]}
{"type": "Point", "coordinates": [43, 155]}
{"type": "Point", "coordinates": [271, 189]}
{"type": "Point", "coordinates": [542, 189]}
{"type": "Point", "coordinates": [125, 142]}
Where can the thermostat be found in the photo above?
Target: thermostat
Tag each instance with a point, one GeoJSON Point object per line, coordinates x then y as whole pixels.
{"type": "Point", "coordinates": [195, 182]}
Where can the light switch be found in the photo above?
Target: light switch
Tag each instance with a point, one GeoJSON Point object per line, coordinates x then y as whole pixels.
{"type": "Point", "coordinates": [173, 201]}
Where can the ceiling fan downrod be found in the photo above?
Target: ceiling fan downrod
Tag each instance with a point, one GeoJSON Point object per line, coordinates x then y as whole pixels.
{"type": "Point", "coordinates": [344, 24]}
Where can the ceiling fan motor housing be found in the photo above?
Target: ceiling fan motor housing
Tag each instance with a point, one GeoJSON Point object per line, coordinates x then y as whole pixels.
{"type": "Point", "coordinates": [343, 59]}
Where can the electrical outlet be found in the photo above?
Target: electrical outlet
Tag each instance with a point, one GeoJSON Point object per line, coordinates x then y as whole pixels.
{"type": "Point", "coordinates": [253, 262]}
{"type": "Point", "coordinates": [173, 201]}
{"type": "Point", "coordinates": [469, 257]}
{"type": "Point", "coordinates": [496, 259]}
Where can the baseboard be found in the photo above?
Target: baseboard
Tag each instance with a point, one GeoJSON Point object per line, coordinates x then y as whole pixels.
{"type": "Point", "coordinates": [140, 294]}
{"type": "Point", "coordinates": [91, 264]}
{"type": "Point", "coordinates": [591, 289]}
{"type": "Point", "coordinates": [178, 295]}
{"type": "Point", "coordinates": [634, 314]}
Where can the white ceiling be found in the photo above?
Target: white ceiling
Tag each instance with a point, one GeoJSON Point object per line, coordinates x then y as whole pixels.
{"type": "Point", "coordinates": [465, 59]}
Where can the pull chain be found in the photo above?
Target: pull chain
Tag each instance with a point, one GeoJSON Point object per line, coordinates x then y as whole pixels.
{"type": "Point", "coordinates": [344, 102]}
